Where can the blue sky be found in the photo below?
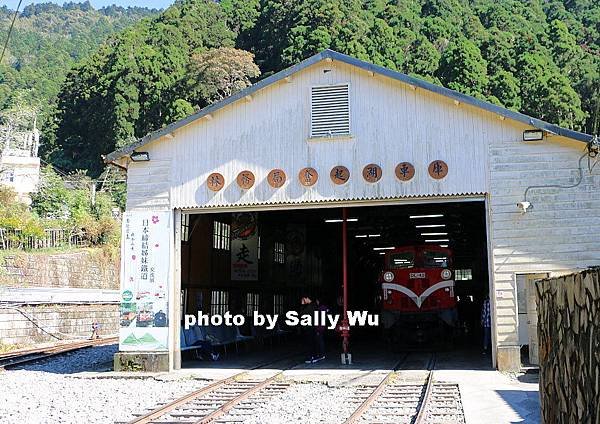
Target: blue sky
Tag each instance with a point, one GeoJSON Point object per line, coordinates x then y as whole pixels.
{"type": "Point", "coordinates": [159, 4]}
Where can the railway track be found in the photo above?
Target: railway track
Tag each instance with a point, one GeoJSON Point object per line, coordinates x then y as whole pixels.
{"type": "Point", "coordinates": [21, 357]}
{"type": "Point", "coordinates": [431, 402]}
{"type": "Point", "coordinates": [229, 400]}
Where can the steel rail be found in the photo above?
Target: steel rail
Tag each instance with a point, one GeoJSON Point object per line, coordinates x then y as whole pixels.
{"type": "Point", "coordinates": [22, 352]}
{"type": "Point", "coordinates": [363, 407]}
{"type": "Point", "coordinates": [422, 414]}
{"type": "Point", "coordinates": [12, 359]}
{"type": "Point", "coordinates": [223, 409]}
{"type": "Point", "coordinates": [165, 409]}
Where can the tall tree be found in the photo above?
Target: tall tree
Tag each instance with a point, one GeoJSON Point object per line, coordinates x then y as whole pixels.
{"type": "Point", "coordinates": [462, 68]}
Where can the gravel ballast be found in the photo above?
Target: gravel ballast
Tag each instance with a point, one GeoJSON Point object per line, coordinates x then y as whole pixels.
{"type": "Point", "coordinates": [306, 403]}
{"type": "Point", "coordinates": [51, 391]}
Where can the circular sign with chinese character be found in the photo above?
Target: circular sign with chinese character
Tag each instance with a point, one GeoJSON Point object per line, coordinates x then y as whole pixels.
{"type": "Point", "coordinates": [438, 169]}
{"type": "Point", "coordinates": [405, 171]}
{"type": "Point", "coordinates": [372, 173]}
{"type": "Point", "coordinates": [339, 175]}
{"type": "Point", "coordinates": [215, 181]}
{"type": "Point", "coordinates": [308, 176]}
{"type": "Point", "coordinates": [245, 179]}
{"type": "Point", "coordinates": [276, 178]}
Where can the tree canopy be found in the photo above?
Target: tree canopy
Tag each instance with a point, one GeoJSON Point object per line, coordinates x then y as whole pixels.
{"type": "Point", "coordinates": [538, 57]}
{"type": "Point", "coordinates": [46, 41]}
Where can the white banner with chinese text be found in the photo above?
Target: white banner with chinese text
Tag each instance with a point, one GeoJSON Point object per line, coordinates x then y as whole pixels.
{"type": "Point", "coordinates": [145, 263]}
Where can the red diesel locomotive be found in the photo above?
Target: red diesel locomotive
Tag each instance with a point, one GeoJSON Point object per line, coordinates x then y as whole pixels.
{"type": "Point", "coordinates": [417, 294]}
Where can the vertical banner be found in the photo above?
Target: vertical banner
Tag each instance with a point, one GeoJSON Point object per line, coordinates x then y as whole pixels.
{"type": "Point", "coordinates": [244, 247]}
{"type": "Point", "coordinates": [145, 263]}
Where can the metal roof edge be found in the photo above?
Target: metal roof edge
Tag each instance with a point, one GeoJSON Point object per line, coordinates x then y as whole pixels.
{"type": "Point", "coordinates": [331, 54]}
{"type": "Point", "coordinates": [455, 95]}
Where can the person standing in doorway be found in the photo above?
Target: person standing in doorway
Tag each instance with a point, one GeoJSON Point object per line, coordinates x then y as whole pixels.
{"type": "Point", "coordinates": [320, 332]}
{"type": "Point", "coordinates": [308, 308]}
{"type": "Point", "coordinates": [486, 324]}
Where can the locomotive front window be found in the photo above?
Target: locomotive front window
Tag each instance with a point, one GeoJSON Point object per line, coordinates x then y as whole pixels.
{"type": "Point", "coordinates": [432, 259]}
{"type": "Point", "coordinates": [402, 260]}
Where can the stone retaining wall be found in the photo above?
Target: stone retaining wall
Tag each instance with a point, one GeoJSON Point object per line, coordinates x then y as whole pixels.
{"type": "Point", "coordinates": [569, 347]}
{"type": "Point", "coordinates": [71, 320]}
{"type": "Point", "coordinates": [82, 268]}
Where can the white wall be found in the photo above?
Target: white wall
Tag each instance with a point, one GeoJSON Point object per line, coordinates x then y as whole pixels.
{"type": "Point", "coordinates": [561, 233]}
{"type": "Point", "coordinates": [390, 123]}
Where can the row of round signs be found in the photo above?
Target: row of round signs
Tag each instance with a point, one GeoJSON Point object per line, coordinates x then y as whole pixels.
{"type": "Point", "coordinates": [372, 173]}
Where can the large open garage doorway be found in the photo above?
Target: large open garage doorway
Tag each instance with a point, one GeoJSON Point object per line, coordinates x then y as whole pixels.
{"type": "Point", "coordinates": [295, 252]}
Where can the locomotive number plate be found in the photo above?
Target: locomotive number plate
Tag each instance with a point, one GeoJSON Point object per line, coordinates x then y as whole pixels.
{"type": "Point", "coordinates": [415, 275]}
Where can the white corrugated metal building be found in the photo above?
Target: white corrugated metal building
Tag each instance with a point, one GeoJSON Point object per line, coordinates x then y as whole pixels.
{"type": "Point", "coordinates": [333, 110]}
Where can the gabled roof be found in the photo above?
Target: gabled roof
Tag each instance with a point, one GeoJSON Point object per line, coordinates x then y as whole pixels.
{"type": "Point", "coordinates": [333, 55]}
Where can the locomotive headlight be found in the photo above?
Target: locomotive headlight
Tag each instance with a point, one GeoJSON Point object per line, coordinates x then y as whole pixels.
{"type": "Point", "coordinates": [446, 274]}
{"type": "Point", "coordinates": [388, 276]}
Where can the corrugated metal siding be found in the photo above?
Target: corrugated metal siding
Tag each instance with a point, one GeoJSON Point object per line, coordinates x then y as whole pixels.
{"type": "Point", "coordinates": [149, 183]}
{"type": "Point", "coordinates": [390, 124]}
{"type": "Point", "coordinates": [560, 234]}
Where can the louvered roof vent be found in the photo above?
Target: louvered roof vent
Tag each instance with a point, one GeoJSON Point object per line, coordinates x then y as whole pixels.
{"type": "Point", "coordinates": [330, 111]}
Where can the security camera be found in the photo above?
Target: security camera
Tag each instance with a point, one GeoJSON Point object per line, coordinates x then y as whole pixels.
{"type": "Point", "coordinates": [523, 206]}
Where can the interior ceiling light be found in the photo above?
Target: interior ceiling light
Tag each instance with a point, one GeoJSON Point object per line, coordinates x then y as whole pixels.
{"type": "Point", "coordinates": [426, 216]}
{"type": "Point", "coordinates": [383, 248]}
{"type": "Point", "coordinates": [382, 253]}
{"type": "Point", "coordinates": [341, 220]}
{"type": "Point", "coordinates": [436, 240]}
{"type": "Point", "coordinates": [352, 220]}
{"type": "Point", "coordinates": [443, 245]}
{"type": "Point", "coordinates": [367, 235]}
{"type": "Point", "coordinates": [430, 226]}
{"type": "Point", "coordinates": [434, 234]}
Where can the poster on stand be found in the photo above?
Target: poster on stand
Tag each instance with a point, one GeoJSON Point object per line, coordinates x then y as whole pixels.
{"type": "Point", "coordinates": [145, 262]}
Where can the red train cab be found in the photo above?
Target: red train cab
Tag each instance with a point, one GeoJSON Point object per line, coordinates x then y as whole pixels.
{"type": "Point", "coordinates": [417, 291]}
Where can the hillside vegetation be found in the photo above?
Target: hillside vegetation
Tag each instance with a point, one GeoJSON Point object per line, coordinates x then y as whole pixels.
{"type": "Point", "coordinates": [541, 57]}
{"type": "Point", "coordinates": [47, 40]}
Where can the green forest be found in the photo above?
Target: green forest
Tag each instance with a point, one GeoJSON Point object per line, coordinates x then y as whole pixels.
{"type": "Point", "coordinates": [540, 57]}
{"type": "Point", "coordinates": [46, 42]}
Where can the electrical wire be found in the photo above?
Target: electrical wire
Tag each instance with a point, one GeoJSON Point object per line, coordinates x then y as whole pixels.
{"type": "Point", "coordinates": [580, 179]}
{"type": "Point", "coordinates": [12, 24]}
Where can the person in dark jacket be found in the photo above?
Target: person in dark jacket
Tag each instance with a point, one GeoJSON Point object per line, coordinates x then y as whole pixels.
{"type": "Point", "coordinates": [308, 307]}
{"type": "Point", "coordinates": [320, 332]}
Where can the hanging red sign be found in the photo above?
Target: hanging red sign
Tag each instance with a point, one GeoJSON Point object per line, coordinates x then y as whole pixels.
{"type": "Point", "coordinates": [276, 178]}
{"type": "Point", "coordinates": [245, 179]}
{"type": "Point", "coordinates": [438, 169]}
{"type": "Point", "coordinates": [405, 171]}
{"type": "Point", "coordinates": [372, 173]}
{"type": "Point", "coordinates": [308, 176]}
{"type": "Point", "coordinates": [215, 181]}
{"type": "Point", "coordinates": [339, 175]}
